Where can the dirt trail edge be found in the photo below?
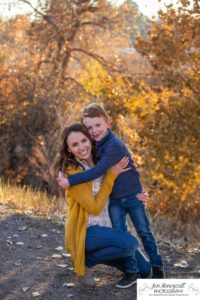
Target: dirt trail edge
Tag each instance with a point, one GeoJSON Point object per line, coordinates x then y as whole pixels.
{"type": "Point", "coordinates": [33, 263]}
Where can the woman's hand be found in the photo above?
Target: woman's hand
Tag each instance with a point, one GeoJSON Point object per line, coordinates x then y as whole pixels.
{"type": "Point", "coordinates": [144, 197]}
{"type": "Point", "coordinates": [121, 166]}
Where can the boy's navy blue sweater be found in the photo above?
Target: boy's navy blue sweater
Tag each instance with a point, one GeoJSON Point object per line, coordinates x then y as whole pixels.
{"type": "Point", "coordinates": [110, 150]}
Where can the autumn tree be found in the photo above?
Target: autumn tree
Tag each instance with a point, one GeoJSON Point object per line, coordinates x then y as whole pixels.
{"type": "Point", "coordinates": [37, 75]}
{"type": "Point", "coordinates": [160, 121]}
{"type": "Point", "coordinates": [43, 56]}
{"type": "Point", "coordinates": [173, 47]}
{"type": "Point", "coordinates": [170, 111]}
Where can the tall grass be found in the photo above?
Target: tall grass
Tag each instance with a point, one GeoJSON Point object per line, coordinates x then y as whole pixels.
{"type": "Point", "coordinates": [26, 199]}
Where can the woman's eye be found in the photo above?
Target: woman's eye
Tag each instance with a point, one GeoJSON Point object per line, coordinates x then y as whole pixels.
{"type": "Point", "coordinates": [74, 145]}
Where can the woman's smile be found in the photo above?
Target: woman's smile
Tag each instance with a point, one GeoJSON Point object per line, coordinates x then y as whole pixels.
{"type": "Point", "coordinates": [84, 153]}
{"type": "Point", "coordinates": [80, 146]}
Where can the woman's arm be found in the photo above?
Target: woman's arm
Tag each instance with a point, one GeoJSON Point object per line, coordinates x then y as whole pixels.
{"type": "Point", "coordinates": [82, 193]}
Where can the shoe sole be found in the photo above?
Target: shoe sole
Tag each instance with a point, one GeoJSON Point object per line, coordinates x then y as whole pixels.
{"type": "Point", "coordinates": [126, 286]}
{"type": "Point", "coordinates": [150, 274]}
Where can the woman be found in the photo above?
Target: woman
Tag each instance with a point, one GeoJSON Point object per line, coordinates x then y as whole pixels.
{"type": "Point", "coordinates": [89, 236]}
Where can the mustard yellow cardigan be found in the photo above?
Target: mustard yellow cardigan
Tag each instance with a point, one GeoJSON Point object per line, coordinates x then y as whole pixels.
{"type": "Point", "coordinates": [81, 203]}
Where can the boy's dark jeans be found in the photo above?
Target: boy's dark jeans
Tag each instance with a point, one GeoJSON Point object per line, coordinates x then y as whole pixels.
{"type": "Point", "coordinates": [118, 209]}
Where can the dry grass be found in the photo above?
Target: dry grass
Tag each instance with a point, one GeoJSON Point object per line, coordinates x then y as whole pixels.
{"type": "Point", "coordinates": [173, 232]}
{"type": "Point", "coordinates": [26, 199]}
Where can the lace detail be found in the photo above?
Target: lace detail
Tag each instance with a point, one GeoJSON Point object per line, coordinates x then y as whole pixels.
{"type": "Point", "coordinates": [103, 218]}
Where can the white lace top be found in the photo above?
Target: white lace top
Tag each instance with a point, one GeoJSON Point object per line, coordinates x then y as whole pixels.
{"type": "Point", "coordinates": [103, 218]}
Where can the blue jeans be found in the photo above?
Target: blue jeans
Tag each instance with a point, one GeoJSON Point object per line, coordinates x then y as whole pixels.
{"type": "Point", "coordinates": [114, 247]}
{"type": "Point", "coordinates": [118, 209]}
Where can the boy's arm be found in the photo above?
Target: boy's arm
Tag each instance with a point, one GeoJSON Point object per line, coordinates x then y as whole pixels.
{"type": "Point", "coordinates": [111, 156]}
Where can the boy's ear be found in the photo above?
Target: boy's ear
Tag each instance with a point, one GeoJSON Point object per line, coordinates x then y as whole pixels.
{"type": "Point", "coordinates": [108, 123]}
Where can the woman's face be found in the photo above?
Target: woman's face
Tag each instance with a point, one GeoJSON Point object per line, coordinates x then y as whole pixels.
{"type": "Point", "coordinates": [79, 145]}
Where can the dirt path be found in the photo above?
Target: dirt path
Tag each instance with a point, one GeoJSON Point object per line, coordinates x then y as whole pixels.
{"type": "Point", "coordinates": [27, 244]}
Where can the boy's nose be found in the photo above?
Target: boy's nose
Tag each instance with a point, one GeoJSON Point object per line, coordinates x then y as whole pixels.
{"type": "Point", "coordinates": [92, 130]}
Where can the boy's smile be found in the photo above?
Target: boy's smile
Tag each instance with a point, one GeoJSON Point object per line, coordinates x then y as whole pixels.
{"type": "Point", "coordinates": [97, 127]}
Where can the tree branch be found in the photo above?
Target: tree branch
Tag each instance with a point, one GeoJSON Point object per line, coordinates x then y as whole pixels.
{"type": "Point", "coordinates": [49, 20]}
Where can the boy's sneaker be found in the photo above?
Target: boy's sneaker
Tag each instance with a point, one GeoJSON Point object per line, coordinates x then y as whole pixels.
{"type": "Point", "coordinates": [128, 280]}
{"type": "Point", "coordinates": [158, 272]}
{"type": "Point", "coordinates": [150, 273]}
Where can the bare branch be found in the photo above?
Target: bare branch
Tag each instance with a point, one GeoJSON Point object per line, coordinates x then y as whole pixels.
{"type": "Point", "coordinates": [91, 23]}
{"type": "Point", "coordinates": [97, 57]}
{"type": "Point", "coordinates": [49, 20]}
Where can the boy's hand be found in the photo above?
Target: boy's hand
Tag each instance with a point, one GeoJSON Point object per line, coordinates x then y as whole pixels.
{"type": "Point", "coordinates": [62, 181]}
{"type": "Point", "coordinates": [144, 197]}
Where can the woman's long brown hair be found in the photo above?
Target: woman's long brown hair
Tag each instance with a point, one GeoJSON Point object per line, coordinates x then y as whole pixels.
{"type": "Point", "coordinates": [64, 157]}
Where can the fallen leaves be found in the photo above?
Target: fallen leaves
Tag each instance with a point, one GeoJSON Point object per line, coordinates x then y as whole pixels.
{"type": "Point", "coordinates": [20, 243]}
{"type": "Point", "coordinates": [25, 288]}
{"type": "Point", "coordinates": [182, 264]}
{"type": "Point", "coordinates": [42, 258]}
{"type": "Point", "coordinates": [60, 248]}
{"type": "Point", "coordinates": [62, 265]}
{"type": "Point", "coordinates": [9, 243]}
{"type": "Point", "coordinates": [66, 254]}
{"type": "Point", "coordinates": [35, 294]}
{"type": "Point", "coordinates": [39, 258]}
{"type": "Point", "coordinates": [69, 284]}
{"type": "Point", "coordinates": [22, 228]}
{"type": "Point", "coordinates": [97, 279]}
{"type": "Point", "coordinates": [55, 255]}
{"type": "Point", "coordinates": [39, 247]}
{"type": "Point", "coordinates": [196, 250]}
{"type": "Point", "coordinates": [18, 263]}
{"type": "Point", "coordinates": [44, 235]}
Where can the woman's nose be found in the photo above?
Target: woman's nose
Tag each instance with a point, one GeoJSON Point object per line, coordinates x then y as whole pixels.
{"type": "Point", "coordinates": [82, 147]}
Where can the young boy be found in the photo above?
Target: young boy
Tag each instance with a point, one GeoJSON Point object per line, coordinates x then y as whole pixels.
{"type": "Point", "coordinates": [123, 199]}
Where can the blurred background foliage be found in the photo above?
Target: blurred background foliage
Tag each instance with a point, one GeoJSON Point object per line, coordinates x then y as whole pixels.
{"type": "Point", "coordinates": [146, 73]}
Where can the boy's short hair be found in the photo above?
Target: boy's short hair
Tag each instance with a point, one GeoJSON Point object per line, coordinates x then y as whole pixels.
{"type": "Point", "coordinates": [95, 110]}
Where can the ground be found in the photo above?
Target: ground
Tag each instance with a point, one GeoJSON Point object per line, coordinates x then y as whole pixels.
{"type": "Point", "coordinates": [28, 270]}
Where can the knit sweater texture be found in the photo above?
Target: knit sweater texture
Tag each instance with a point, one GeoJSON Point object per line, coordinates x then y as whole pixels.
{"type": "Point", "coordinates": [81, 203]}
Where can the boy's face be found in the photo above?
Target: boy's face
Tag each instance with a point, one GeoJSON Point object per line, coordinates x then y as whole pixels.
{"type": "Point", "coordinates": [97, 127]}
